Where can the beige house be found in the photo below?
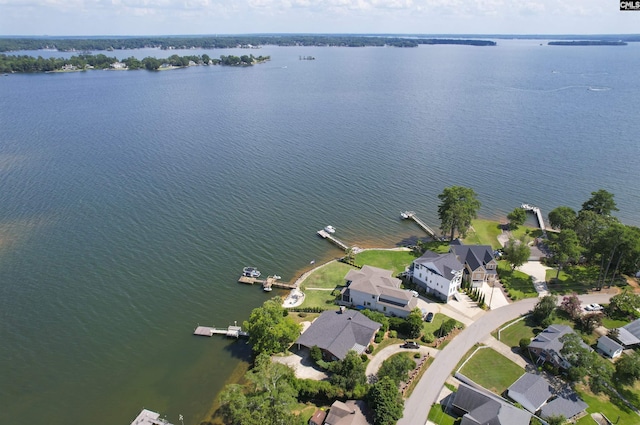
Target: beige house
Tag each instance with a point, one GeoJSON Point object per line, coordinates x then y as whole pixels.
{"type": "Point", "coordinates": [480, 264]}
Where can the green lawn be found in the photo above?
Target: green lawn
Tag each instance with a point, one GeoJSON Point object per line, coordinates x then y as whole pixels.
{"type": "Point", "coordinates": [438, 319]}
{"type": "Point", "coordinates": [438, 416]}
{"type": "Point", "coordinates": [492, 370]}
{"type": "Point", "coordinates": [601, 403]}
{"type": "Point", "coordinates": [514, 333]}
{"type": "Point", "coordinates": [517, 284]}
{"type": "Point", "coordinates": [613, 323]}
{"type": "Point", "coordinates": [485, 232]}
{"type": "Point", "coordinates": [329, 276]}
{"type": "Point", "coordinates": [319, 298]}
{"type": "Point", "coordinates": [396, 261]}
{"type": "Point", "coordinates": [578, 279]}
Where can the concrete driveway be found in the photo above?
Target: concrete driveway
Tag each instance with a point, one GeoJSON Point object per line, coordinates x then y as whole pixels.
{"type": "Point", "coordinates": [538, 272]}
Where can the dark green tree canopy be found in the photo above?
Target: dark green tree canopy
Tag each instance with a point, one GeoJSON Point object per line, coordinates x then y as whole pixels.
{"type": "Point", "coordinates": [397, 367]}
{"type": "Point", "coordinates": [601, 203]}
{"type": "Point", "coordinates": [386, 402]}
{"type": "Point", "coordinates": [544, 310]}
{"type": "Point", "coordinates": [562, 218]}
{"type": "Point", "coordinates": [516, 253]}
{"type": "Point", "coordinates": [516, 218]}
{"type": "Point", "coordinates": [270, 331]}
{"type": "Point", "coordinates": [459, 206]}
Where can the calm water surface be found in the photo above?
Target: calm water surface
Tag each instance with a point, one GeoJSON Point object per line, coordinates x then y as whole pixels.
{"type": "Point", "coordinates": [130, 201]}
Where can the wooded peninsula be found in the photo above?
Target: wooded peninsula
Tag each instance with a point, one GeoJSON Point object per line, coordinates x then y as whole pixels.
{"type": "Point", "coordinates": [30, 64]}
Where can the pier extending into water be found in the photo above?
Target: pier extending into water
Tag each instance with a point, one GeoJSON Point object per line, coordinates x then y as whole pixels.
{"type": "Point", "coordinates": [538, 214]}
{"type": "Point", "coordinates": [231, 331]}
{"type": "Point", "coordinates": [268, 283]}
{"type": "Point", "coordinates": [412, 216]}
{"type": "Point", "coordinates": [326, 235]}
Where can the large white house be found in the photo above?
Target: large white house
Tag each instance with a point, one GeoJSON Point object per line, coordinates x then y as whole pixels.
{"type": "Point", "coordinates": [438, 274]}
{"type": "Point", "coordinates": [377, 289]}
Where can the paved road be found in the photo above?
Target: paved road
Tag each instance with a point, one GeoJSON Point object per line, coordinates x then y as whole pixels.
{"type": "Point", "coordinates": [416, 408]}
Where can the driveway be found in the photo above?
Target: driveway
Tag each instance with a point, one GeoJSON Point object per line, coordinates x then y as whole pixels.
{"type": "Point", "coordinates": [385, 353]}
{"type": "Point", "coordinates": [416, 407]}
{"type": "Point", "coordinates": [538, 272]}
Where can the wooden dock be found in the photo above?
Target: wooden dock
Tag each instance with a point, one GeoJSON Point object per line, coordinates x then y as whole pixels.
{"type": "Point", "coordinates": [250, 280]}
{"type": "Point", "coordinates": [273, 282]}
{"type": "Point", "coordinates": [325, 235]}
{"type": "Point", "coordinates": [538, 214]}
{"type": "Point", "coordinates": [412, 216]}
{"type": "Point", "coordinates": [231, 331]}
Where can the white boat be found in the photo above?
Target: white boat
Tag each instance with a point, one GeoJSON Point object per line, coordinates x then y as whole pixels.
{"type": "Point", "coordinates": [330, 229]}
{"type": "Point", "coordinates": [267, 288]}
{"type": "Point", "coordinates": [250, 272]}
{"type": "Point", "coordinates": [404, 215]}
{"type": "Point", "coordinates": [275, 276]}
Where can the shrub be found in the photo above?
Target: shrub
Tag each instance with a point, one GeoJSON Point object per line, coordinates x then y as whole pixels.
{"type": "Point", "coordinates": [417, 355]}
{"type": "Point", "coordinates": [370, 349]}
{"type": "Point", "coordinates": [316, 353]}
{"type": "Point", "coordinates": [427, 338]}
{"type": "Point", "coordinates": [524, 344]}
{"type": "Point", "coordinates": [302, 314]}
{"type": "Point", "coordinates": [364, 357]}
{"type": "Point", "coordinates": [393, 334]}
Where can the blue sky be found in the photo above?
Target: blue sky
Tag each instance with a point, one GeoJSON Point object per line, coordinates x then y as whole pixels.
{"type": "Point", "coordinates": [165, 17]}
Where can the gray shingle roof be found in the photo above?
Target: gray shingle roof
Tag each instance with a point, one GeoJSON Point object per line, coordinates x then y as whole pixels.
{"type": "Point", "coordinates": [475, 256]}
{"type": "Point", "coordinates": [443, 264]}
{"type": "Point", "coordinates": [549, 340]}
{"type": "Point", "coordinates": [487, 409]}
{"type": "Point", "coordinates": [338, 333]}
{"type": "Point", "coordinates": [567, 406]}
{"type": "Point", "coordinates": [609, 344]}
{"type": "Point", "coordinates": [533, 388]}
{"type": "Point", "coordinates": [351, 412]}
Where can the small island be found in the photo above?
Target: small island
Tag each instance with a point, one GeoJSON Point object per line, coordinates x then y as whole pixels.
{"type": "Point", "coordinates": [588, 43]}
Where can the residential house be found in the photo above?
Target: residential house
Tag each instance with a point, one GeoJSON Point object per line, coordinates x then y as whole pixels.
{"type": "Point", "coordinates": [547, 345]}
{"type": "Point", "coordinates": [629, 335]}
{"type": "Point", "coordinates": [531, 391]}
{"type": "Point", "coordinates": [351, 412]}
{"type": "Point", "coordinates": [318, 418]}
{"type": "Point", "coordinates": [481, 407]}
{"type": "Point", "coordinates": [480, 264]}
{"type": "Point", "coordinates": [438, 274]}
{"type": "Point", "coordinates": [609, 347]}
{"type": "Point", "coordinates": [376, 289]}
{"type": "Point", "coordinates": [338, 332]}
{"type": "Point", "coordinates": [567, 405]}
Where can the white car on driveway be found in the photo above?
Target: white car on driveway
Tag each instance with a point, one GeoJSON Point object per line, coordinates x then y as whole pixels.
{"type": "Point", "coordinates": [594, 307]}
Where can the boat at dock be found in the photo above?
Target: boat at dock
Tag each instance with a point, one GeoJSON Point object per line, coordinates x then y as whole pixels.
{"type": "Point", "coordinates": [251, 272]}
{"type": "Point", "coordinates": [330, 229]}
{"type": "Point", "coordinates": [267, 288]}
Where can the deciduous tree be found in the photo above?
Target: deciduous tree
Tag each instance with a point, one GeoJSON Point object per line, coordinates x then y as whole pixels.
{"type": "Point", "coordinates": [601, 202]}
{"type": "Point", "coordinates": [544, 310]}
{"type": "Point", "coordinates": [562, 218]}
{"type": "Point", "coordinates": [516, 253]}
{"type": "Point", "coordinates": [516, 218]}
{"type": "Point", "coordinates": [571, 305]}
{"type": "Point", "coordinates": [565, 247]}
{"type": "Point", "coordinates": [628, 368]}
{"type": "Point", "coordinates": [270, 331]}
{"type": "Point", "coordinates": [396, 367]}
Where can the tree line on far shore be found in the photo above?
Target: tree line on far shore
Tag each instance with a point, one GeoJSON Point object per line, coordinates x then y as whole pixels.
{"type": "Point", "coordinates": [30, 64]}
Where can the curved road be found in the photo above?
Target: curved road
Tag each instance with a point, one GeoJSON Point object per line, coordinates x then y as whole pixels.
{"type": "Point", "coordinates": [416, 407]}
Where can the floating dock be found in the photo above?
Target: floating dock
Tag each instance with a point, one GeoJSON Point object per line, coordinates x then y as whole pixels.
{"type": "Point", "coordinates": [538, 214]}
{"type": "Point", "coordinates": [326, 235]}
{"type": "Point", "coordinates": [231, 331]}
{"type": "Point", "coordinates": [273, 282]}
{"type": "Point", "coordinates": [410, 215]}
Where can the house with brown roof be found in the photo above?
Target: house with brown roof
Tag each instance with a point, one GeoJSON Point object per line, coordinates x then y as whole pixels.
{"type": "Point", "coordinates": [351, 412]}
{"type": "Point", "coordinates": [376, 289]}
{"type": "Point", "coordinates": [338, 332]}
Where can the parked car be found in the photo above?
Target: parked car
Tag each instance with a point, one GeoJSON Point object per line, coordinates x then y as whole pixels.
{"type": "Point", "coordinates": [428, 317]}
{"type": "Point", "coordinates": [594, 307]}
{"type": "Point", "coordinates": [414, 293]}
{"type": "Point", "coordinates": [410, 344]}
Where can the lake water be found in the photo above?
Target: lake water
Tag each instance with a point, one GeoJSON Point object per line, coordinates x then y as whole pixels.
{"type": "Point", "coordinates": [130, 201]}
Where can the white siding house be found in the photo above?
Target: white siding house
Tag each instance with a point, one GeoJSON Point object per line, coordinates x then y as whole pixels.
{"type": "Point", "coordinates": [609, 347]}
{"type": "Point", "coordinates": [439, 274]}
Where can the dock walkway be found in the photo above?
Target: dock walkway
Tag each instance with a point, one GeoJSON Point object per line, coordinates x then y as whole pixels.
{"type": "Point", "coordinates": [412, 216]}
{"type": "Point", "coordinates": [325, 235]}
{"type": "Point", "coordinates": [231, 331]}
{"type": "Point", "coordinates": [538, 214]}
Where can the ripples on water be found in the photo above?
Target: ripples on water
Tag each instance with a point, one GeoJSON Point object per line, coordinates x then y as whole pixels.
{"type": "Point", "coordinates": [131, 200]}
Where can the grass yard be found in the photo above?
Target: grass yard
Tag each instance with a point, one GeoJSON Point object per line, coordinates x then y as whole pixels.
{"type": "Point", "coordinates": [396, 261]}
{"type": "Point", "coordinates": [578, 279]}
{"type": "Point", "coordinates": [514, 333]}
{"type": "Point", "coordinates": [492, 370]}
{"type": "Point", "coordinates": [485, 232]}
{"type": "Point", "coordinates": [433, 327]}
{"type": "Point", "coordinates": [330, 276]}
{"type": "Point", "coordinates": [613, 323]}
{"type": "Point", "coordinates": [438, 416]}
{"type": "Point", "coordinates": [319, 298]}
{"type": "Point", "coordinates": [517, 284]}
{"type": "Point", "coordinates": [601, 403]}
